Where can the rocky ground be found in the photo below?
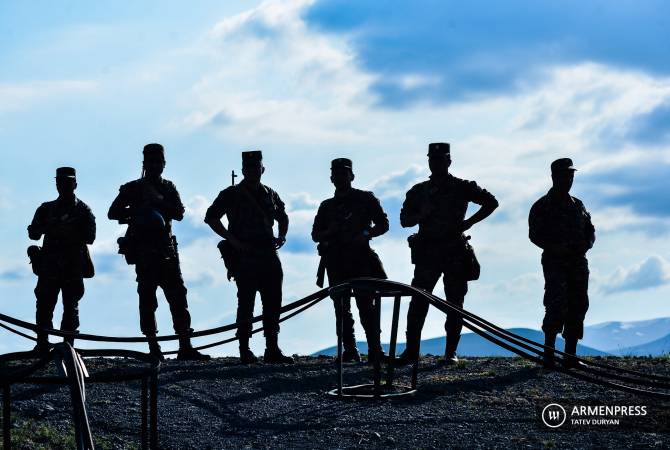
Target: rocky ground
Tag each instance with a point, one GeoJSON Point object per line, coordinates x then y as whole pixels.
{"type": "Point", "coordinates": [480, 403]}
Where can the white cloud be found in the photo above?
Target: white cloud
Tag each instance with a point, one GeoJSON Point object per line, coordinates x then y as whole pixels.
{"type": "Point", "coordinates": [21, 96]}
{"type": "Point", "coordinates": [650, 273]}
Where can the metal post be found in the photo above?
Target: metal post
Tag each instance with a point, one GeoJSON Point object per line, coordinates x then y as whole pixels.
{"type": "Point", "coordinates": [143, 408]}
{"type": "Point", "coordinates": [340, 327]}
{"type": "Point", "coordinates": [153, 419]}
{"type": "Point", "coordinates": [6, 417]}
{"type": "Point", "coordinates": [394, 339]}
{"type": "Point", "coordinates": [377, 356]}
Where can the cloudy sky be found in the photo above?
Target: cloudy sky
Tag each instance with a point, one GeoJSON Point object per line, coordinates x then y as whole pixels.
{"type": "Point", "coordinates": [511, 85]}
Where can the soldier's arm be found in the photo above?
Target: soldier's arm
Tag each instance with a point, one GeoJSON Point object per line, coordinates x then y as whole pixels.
{"type": "Point", "coordinates": [485, 199]}
{"type": "Point", "coordinates": [215, 212]}
{"type": "Point", "coordinates": [535, 227]}
{"type": "Point", "coordinates": [38, 226]}
{"type": "Point", "coordinates": [281, 217]}
{"type": "Point", "coordinates": [120, 208]}
{"type": "Point", "coordinates": [379, 218]}
{"type": "Point", "coordinates": [171, 206]}
{"type": "Point", "coordinates": [88, 226]}
{"type": "Point", "coordinates": [320, 231]}
{"type": "Point", "coordinates": [590, 231]}
{"type": "Point", "coordinates": [411, 213]}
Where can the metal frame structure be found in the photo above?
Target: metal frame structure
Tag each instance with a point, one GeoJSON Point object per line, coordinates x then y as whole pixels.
{"type": "Point", "coordinates": [73, 371]}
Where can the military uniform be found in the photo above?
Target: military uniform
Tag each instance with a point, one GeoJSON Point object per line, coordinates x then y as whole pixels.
{"type": "Point", "coordinates": [68, 226]}
{"type": "Point", "coordinates": [157, 263]}
{"type": "Point", "coordinates": [149, 205]}
{"type": "Point", "coordinates": [558, 222]}
{"type": "Point", "coordinates": [251, 215]}
{"type": "Point", "coordinates": [346, 257]}
{"type": "Point", "coordinates": [440, 248]}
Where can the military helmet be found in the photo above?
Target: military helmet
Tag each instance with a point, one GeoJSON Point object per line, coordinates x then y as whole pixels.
{"type": "Point", "coordinates": [148, 221]}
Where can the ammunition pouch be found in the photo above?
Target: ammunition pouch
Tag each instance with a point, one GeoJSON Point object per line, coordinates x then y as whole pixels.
{"type": "Point", "coordinates": [321, 271]}
{"type": "Point", "coordinates": [87, 268]}
{"type": "Point", "coordinates": [230, 256]}
{"type": "Point", "coordinates": [437, 251]}
{"type": "Point", "coordinates": [472, 267]}
{"type": "Point", "coordinates": [35, 256]}
{"type": "Point", "coordinates": [128, 248]}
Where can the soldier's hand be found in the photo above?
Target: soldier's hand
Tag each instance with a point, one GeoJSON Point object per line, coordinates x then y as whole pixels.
{"type": "Point", "coordinates": [466, 225]}
{"type": "Point", "coordinates": [279, 242]}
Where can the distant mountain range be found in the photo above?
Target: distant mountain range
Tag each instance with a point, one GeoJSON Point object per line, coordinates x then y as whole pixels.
{"type": "Point", "coordinates": [640, 338]}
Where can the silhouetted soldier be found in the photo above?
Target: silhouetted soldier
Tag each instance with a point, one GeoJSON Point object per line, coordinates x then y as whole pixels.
{"type": "Point", "coordinates": [63, 261]}
{"type": "Point", "coordinates": [343, 227]}
{"type": "Point", "coordinates": [251, 209]}
{"type": "Point", "coordinates": [439, 206]}
{"type": "Point", "coordinates": [560, 225]}
{"type": "Point", "coordinates": [148, 206]}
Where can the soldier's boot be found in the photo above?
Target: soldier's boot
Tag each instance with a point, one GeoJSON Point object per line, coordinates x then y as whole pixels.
{"type": "Point", "coordinates": [70, 339]}
{"type": "Point", "coordinates": [155, 349]}
{"type": "Point", "coordinates": [246, 355]}
{"type": "Point", "coordinates": [375, 350]}
{"type": "Point", "coordinates": [273, 354]}
{"type": "Point", "coordinates": [350, 351]}
{"type": "Point", "coordinates": [188, 353]}
{"type": "Point", "coordinates": [451, 344]}
{"type": "Point", "coordinates": [42, 345]}
{"type": "Point", "coordinates": [411, 352]}
{"type": "Point", "coordinates": [569, 360]}
{"type": "Point", "coordinates": [548, 357]}
{"type": "Point", "coordinates": [350, 354]}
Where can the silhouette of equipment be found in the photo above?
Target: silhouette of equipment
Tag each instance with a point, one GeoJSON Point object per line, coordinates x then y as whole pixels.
{"type": "Point", "coordinates": [72, 367]}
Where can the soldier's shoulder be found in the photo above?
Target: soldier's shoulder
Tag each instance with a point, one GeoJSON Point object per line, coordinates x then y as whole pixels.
{"type": "Point", "coordinates": [168, 183]}
{"type": "Point", "coordinates": [131, 185]}
{"type": "Point", "coordinates": [46, 205]}
{"type": "Point", "coordinates": [540, 202]}
{"type": "Point", "coordinates": [419, 187]}
{"type": "Point", "coordinates": [577, 201]}
{"type": "Point", "coordinates": [462, 182]}
{"type": "Point", "coordinates": [228, 193]}
{"type": "Point", "coordinates": [365, 195]}
{"type": "Point", "coordinates": [83, 206]}
{"type": "Point", "coordinates": [269, 190]}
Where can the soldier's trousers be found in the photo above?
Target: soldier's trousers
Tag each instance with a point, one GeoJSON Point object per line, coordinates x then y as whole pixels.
{"type": "Point", "coordinates": [566, 300]}
{"type": "Point", "coordinates": [455, 288]}
{"type": "Point", "coordinates": [366, 265]}
{"type": "Point", "coordinates": [153, 273]}
{"type": "Point", "coordinates": [262, 274]}
{"type": "Point", "coordinates": [46, 292]}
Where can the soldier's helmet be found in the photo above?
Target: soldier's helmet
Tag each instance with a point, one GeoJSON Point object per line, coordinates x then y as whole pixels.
{"type": "Point", "coordinates": [148, 221]}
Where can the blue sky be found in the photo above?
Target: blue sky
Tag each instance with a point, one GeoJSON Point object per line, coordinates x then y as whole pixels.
{"type": "Point", "coordinates": [512, 86]}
